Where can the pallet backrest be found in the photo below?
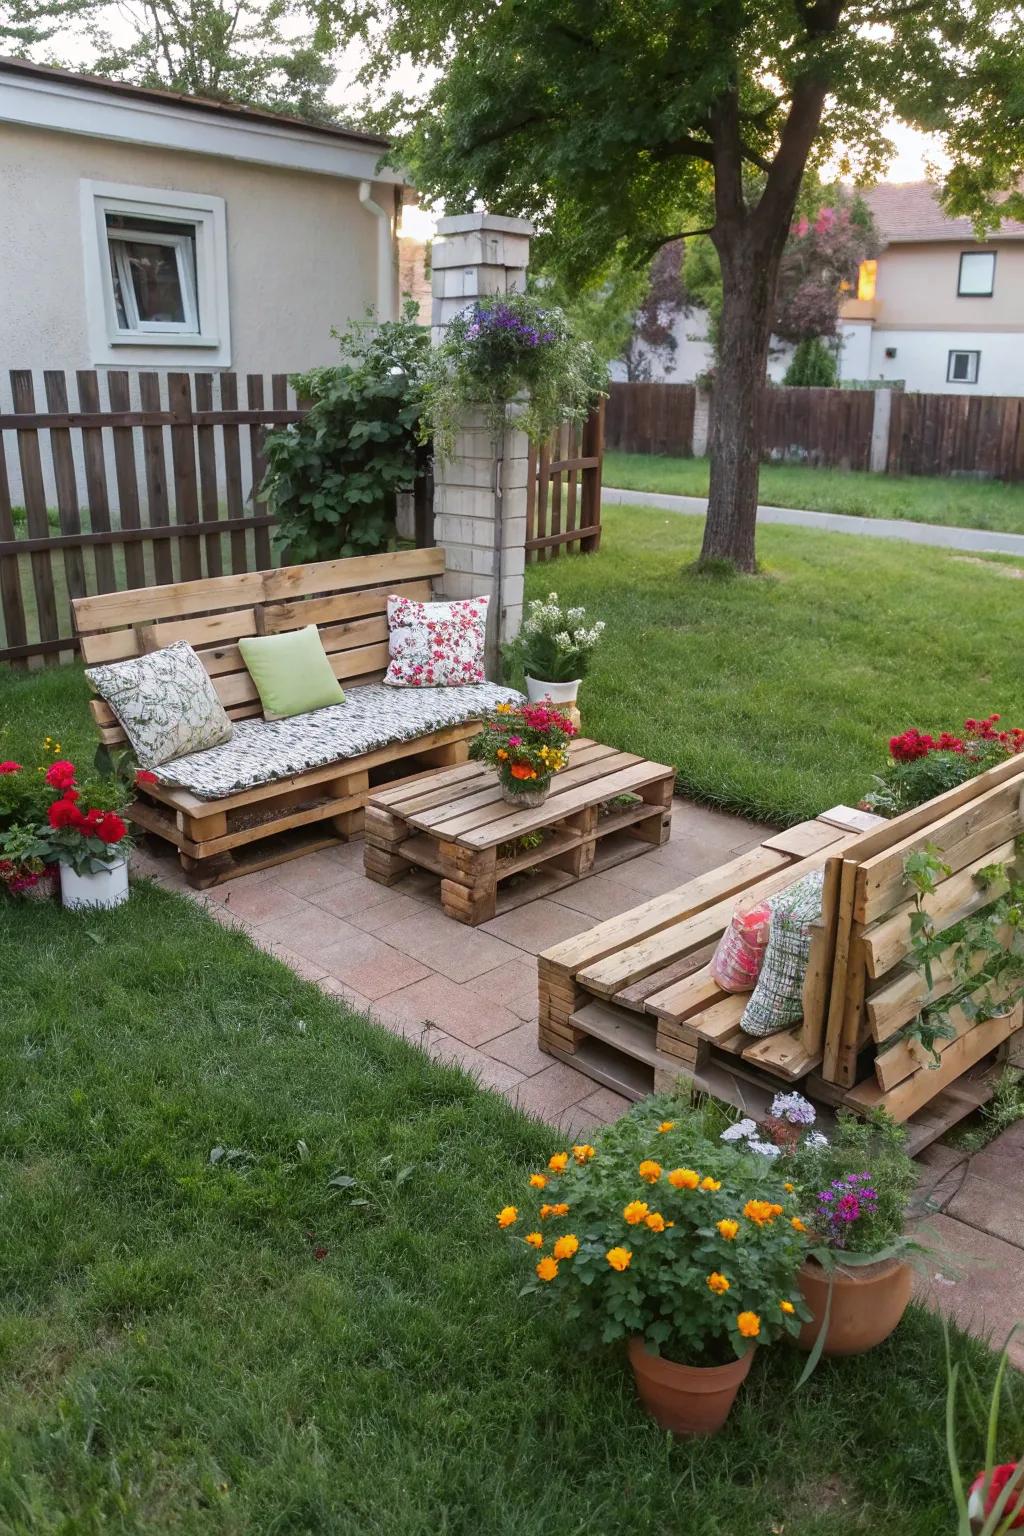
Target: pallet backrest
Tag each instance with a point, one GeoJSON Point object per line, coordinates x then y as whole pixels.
{"type": "Point", "coordinates": [345, 599]}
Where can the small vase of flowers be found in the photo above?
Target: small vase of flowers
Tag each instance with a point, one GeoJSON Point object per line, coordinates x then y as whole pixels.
{"type": "Point", "coordinates": [555, 645]}
{"type": "Point", "coordinates": [90, 844]}
{"type": "Point", "coordinates": [661, 1238]}
{"type": "Point", "coordinates": [527, 745]}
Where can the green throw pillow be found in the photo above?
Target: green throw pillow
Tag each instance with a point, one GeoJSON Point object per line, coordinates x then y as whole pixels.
{"type": "Point", "coordinates": [291, 672]}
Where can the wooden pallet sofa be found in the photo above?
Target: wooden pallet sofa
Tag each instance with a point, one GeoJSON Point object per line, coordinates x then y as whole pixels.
{"type": "Point", "coordinates": [219, 836]}
{"type": "Point", "coordinates": [632, 1001]}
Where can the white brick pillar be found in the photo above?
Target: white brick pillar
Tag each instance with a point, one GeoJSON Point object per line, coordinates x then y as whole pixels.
{"type": "Point", "coordinates": [480, 496]}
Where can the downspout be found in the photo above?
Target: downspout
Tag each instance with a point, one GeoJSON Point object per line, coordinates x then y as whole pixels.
{"type": "Point", "coordinates": [385, 265]}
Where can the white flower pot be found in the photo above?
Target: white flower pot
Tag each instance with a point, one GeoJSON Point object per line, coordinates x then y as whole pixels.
{"type": "Point", "coordinates": [558, 693]}
{"type": "Point", "coordinates": [108, 888]}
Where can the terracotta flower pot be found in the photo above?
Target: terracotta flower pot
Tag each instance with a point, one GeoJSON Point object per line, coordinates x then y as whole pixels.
{"type": "Point", "coordinates": [868, 1302]}
{"type": "Point", "coordinates": [687, 1399]}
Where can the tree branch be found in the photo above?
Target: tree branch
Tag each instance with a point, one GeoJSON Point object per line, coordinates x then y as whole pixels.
{"type": "Point", "coordinates": [655, 246]}
{"type": "Point", "coordinates": [686, 144]}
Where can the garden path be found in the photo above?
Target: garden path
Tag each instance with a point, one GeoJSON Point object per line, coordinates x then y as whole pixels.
{"type": "Point", "coordinates": [470, 995]}
{"type": "Point", "coordinates": [971, 539]}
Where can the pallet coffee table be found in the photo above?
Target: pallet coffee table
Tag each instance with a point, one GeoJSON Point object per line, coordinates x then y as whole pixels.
{"type": "Point", "coordinates": [604, 807]}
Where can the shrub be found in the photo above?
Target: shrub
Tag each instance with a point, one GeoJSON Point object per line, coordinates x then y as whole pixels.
{"type": "Point", "coordinates": [813, 364]}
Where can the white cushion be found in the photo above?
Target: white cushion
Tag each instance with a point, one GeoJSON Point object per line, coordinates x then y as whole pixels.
{"type": "Point", "coordinates": [166, 703]}
{"type": "Point", "coordinates": [262, 751]}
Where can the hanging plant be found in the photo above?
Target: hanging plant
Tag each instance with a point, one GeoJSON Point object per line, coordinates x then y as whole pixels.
{"type": "Point", "coordinates": [503, 347]}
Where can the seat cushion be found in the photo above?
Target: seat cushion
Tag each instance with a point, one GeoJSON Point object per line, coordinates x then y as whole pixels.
{"type": "Point", "coordinates": [262, 751]}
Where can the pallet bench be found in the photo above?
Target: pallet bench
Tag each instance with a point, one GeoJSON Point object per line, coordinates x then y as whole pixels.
{"type": "Point", "coordinates": [633, 1003]}
{"type": "Point", "coordinates": [219, 839]}
{"type": "Point", "coordinates": [455, 823]}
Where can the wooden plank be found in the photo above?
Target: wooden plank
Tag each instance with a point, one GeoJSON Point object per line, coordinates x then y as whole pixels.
{"type": "Point", "coordinates": [905, 1057]}
{"type": "Point", "coordinates": [94, 462]}
{"type": "Point", "coordinates": [820, 960]}
{"type": "Point", "coordinates": [157, 505]}
{"type": "Point", "coordinates": [888, 942]}
{"type": "Point", "coordinates": [209, 498]}
{"type": "Point", "coordinates": [12, 603]}
{"type": "Point", "coordinates": [233, 492]}
{"type": "Point", "coordinates": [954, 817]}
{"type": "Point", "coordinates": [852, 820]}
{"type": "Point", "coordinates": [481, 803]}
{"type": "Point", "coordinates": [254, 388]}
{"type": "Point", "coordinates": [807, 838]}
{"type": "Point", "coordinates": [183, 468]}
{"type": "Point", "coordinates": [661, 912]}
{"type": "Point", "coordinates": [636, 995]}
{"type": "Point", "coordinates": [636, 779]}
{"type": "Point", "coordinates": [330, 576]}
{"type": "Point", "coordinates": [648, 954]}
{"type": "Point", "coordinates": [783, 1054]}
{"type": "Point", "coordinates": [475, 781]}
{"type": "Point", "coordinates": [126, 476]}
{"type": "Point", "coordinates": [907, 1097]}
{"type": "Point", "coordinates": [622, 1030]}
{"type": "Point", "coordinates": [279, 617]}
{"type": "Point", "coordinates": [833, 1050]}
{"type": "Point", "coordinates": [63, 460]}
{"type": "Point", "coordinates": [686, 998]}
{"type": "Point", "coordinates": [900, 999]}
{"type": "Point", "coordinates": [34, 492]}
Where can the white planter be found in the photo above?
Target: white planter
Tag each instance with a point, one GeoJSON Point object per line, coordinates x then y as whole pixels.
{"type": "Point", "coordinates": [108, 888]}
{"type": "Point", "coordinates": [558, 693]}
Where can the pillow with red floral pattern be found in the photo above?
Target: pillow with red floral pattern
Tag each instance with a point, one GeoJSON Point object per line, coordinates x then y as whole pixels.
{"type": "Point", "coordinates": [436, 645]}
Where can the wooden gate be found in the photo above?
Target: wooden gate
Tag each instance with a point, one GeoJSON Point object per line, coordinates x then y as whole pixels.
{"type": "Point", "coordinates": [564, 491]}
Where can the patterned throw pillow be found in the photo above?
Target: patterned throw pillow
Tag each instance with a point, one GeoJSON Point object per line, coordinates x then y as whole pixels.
{"type": "Point", "coordinates": [436, 645]}
{"type": "Point", "coordinates": [777, 1000]}
{"type": "Point", "coordinates": [166, 703]}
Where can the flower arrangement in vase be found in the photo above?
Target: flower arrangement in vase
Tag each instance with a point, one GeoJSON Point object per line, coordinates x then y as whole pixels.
{"type": "Point", "coordinates": [853, 1188]}
{"type": "Point", "coordinates": [661, 1237]}
{"type": "Point", "coordinates": [527, 745]}
{"type": "Point", "coordinates": [555, 646]}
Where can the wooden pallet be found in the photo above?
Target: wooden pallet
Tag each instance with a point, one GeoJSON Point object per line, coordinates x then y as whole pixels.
{"type": "Point", "coordinates": [632, 1001]}
{"type": "Point", "coordinates": [604, 807]}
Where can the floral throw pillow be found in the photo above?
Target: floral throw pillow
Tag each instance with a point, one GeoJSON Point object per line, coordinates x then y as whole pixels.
{"type": "Point", "coordinates": [436, 645]}
{"type": "Point", "coordinates": [166, 703]}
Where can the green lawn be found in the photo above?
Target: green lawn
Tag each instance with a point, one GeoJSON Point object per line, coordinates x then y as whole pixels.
{"type": "Point", "coordinates": [955, 502]}
{"type": "Point", "coordinates": [776, 695]}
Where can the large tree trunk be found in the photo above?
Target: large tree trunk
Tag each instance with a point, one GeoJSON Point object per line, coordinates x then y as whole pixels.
{"type": "Point", "coordinates": [748, 292]}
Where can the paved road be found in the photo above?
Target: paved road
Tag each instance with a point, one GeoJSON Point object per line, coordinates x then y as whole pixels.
{"type": "Point", "coordinates": [835, 522]}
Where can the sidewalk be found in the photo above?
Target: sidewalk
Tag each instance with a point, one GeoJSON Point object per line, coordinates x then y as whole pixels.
{"type": "Point", "coordinates": [971, 539]}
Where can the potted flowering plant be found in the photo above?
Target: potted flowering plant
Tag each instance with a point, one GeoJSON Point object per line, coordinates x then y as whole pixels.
{"type": "Point", "coordinates": [555, 645]}
{"type": "Point", "coordinates": [853, 1188]}
{"type": "Point", "coordinates": [89, 838]}
{"type": "Point", "coordinates": [27, 868]}
{"type": "Point", "coordinates": [661, 1237]}
{"type": "Point", "coordinates": [527, 745]}
{"type": "Point", "coordinates": [922, 766]}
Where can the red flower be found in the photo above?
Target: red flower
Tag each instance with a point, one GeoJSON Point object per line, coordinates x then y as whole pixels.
{"type": "Point", "coordinates": [64, 813]}
{"type": "Point", "coordinates": [145, 777]}
{"type": "Point", "coordinates": [109, 827]}
{"type": "Point", "coordinates": [70, 795]}
{"type": "Point", "coordinates": [60, 775]}
{"type": "Point", "coordinates": [10, 767]}
{"type": "Point", "coordinates": [988, 1497]}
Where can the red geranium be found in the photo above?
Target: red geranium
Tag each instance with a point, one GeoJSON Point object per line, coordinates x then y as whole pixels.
{"type": "Point", "coordinates": [145, 777]}
{"type": "Point", "coordinates": [984, 1498]}
{"type": "Point", "coordinates": [60, 775]}
{"type": "Point", "coordinates": [10, 767]}
{"type": "Point", "coordinates": [110, 828]}
{"type": "Point", "coordinates": [64, 813]}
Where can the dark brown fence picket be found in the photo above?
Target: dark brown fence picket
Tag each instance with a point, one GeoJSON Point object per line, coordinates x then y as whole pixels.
{"type": "Point", "coordinates": [563, 503]}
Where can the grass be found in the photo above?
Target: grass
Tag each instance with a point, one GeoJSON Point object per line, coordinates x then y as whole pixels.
{"type": "Point", "coordinates": [776, 695]}
{"type": "Point", "coordinates": [958, 503]}
{"type": "Point", "coordinates": [223, 1345]}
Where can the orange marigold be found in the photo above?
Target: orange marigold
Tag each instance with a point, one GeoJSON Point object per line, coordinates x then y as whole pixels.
{"type": "Point", "coordinates": [797, 1224]}
{"type": "Point", "coordinates": [507, 1215]}
{"type": "Point", "coordinates": [535, 1239]}
{"type": "Point", "coordinates": [635, 1211]}
{"type": "Point", "coordinates": [545, 1212]}
{"type": "Point", "coordinates": [712, 1185]}
{"type": "Point", "coordinates": [522, 771]}
{"type": "Point", "coordinates": [619, 1258]}
{"type": "Point", "coordinates": [558, 1162]}
{"type": "Point", "coordinates": [655, 1221]}
{"type": "Point", "coordinates": [667, 1125]}
{"type": "Point", "coordinates": [717, 1283]}
{"type": "Point", "coordinates": [584, 1152]}
{"type": "Point", "coordinates": [538, 1181]}
{"type": "Point", "coordinates": [547, 1269]}
{"type": "Point", "coordinates": [787, 1307]}
{"type": "Point", "coordinates": [649, 1171]}
{"type": "Point", "coordinates": [761, 1212]}
{"type": "Point", "coordinates": [566, 1246]}
{"type": "Point", "coordinates": [684, 1178]}
{"type": "Point", "coordinates": [749, 1325]}
{"type": "Point", "coordinates": [789, 1188]}
{"type": "Point", "coordinates": [728, 1229]}
{"type": "Point", "coordinates": [561, 1209]}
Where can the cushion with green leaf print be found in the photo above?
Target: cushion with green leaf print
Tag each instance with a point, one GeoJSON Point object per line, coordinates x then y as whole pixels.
{"type": "Point", "coordinates": [777, 1000]}
{"type": "Point", "coordinates": [165, 702]}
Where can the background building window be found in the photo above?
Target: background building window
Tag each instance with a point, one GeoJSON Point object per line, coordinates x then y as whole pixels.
{"type": "Point", "coordinates": [962, 367]}
{"type": "Point", "coordinates": [867, 279]}
{"type": "Point", "coordinates": [156, 276]}
{"type": "Point", "coordinates": [977, 274]}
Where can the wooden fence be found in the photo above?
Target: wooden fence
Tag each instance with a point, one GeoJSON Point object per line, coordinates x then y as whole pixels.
{"type": "Point", "coordinates": [980, 435]}
{"type": "Point", "coordinates": [563, 504]}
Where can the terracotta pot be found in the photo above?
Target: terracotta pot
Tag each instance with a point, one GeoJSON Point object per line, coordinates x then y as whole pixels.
{"type": "Point", "coordinates": [687, 1399]}
{"type": "Point", "coordinates": [868, 1302]}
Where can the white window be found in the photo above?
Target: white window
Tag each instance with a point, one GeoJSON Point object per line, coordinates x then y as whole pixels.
{"type": "Point", "coordinates": [156, 276]}
{"type": "Point", "coordinates": [962, 367]}
{"type": "Point", "coordinates": [977, 274]}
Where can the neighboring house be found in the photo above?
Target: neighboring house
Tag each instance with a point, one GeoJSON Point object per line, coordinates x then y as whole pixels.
{"type": "Point", "coordinates": [144, 229]}
{"type": "Point", "coordinates": [939, 310]}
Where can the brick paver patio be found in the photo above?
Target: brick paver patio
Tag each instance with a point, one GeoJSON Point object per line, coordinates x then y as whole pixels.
{"type": "Point", "coordinates": [470, 995]}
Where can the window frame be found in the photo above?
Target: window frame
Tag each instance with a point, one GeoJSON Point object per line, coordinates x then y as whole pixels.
{"type": "Point", "coordinates": [963, 352]}
{"type": "Point", "coordinates": [976, 293]}
{"type": "Point", "coordinates": [184, 248]}
{"type": "Point", "coordinates": [203, 339]}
